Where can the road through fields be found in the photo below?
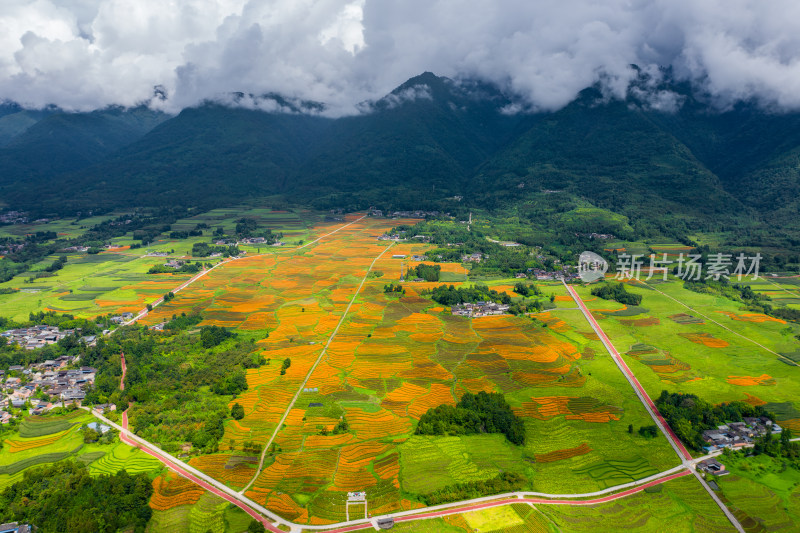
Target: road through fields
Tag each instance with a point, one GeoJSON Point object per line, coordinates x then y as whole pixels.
{"type": "Point", "coordinates": [676, 444]}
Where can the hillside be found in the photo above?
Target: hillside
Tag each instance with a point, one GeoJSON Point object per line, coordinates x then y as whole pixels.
{"type": "Point", "coordinates": [427, 141]}
{"type": "Point", "coordinates": [42, 145]}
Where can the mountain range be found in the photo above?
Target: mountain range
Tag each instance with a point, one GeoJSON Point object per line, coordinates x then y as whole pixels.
{"type": "Point", "coordinates": [431, 143]}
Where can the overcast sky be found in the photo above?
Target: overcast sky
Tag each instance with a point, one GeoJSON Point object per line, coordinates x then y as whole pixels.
{"type": "Point", "coordinates": [85, 54]}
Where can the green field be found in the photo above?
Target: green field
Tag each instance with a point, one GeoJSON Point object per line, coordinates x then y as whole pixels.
{"type": "Point", "coordinates": [680, 505]}
{"type": "Point", "coordinates": [716, 357]}
{"type": "Point", "coordinates": [111, 282]}
{"type": "Point", "coordinates": [761, 490]}
{"type": "Point", "coordinates": [52, 438]}
{"type": "Point", "coordinates": [396, 356]}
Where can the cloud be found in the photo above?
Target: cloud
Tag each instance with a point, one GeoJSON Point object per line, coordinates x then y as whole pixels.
{"type": "Point", "coordinates": [84, 54]}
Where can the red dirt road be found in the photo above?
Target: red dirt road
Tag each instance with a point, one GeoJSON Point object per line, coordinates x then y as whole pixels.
{"type": "Point", "coordinates": [175, 467]}
{"type": "Point", "coordinates": [508, 501]}
{"type": "Point", "coordinates": [621, 362]}
{"type": "Point", "coordinates": [124, 371]}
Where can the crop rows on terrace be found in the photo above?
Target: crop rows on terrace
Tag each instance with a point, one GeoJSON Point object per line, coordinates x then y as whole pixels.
{"type": "Point", "coordinates": [682, 504]}
{"type": "Point", "coordinates": [171, 490]}
{"type": "Point", "coordinates": [395, 357]}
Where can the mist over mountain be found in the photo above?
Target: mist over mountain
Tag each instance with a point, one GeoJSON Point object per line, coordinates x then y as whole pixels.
{"type": "Point", "coordinates": [675, 160]}
{"type": "Point", "coordinates": [88, 54]}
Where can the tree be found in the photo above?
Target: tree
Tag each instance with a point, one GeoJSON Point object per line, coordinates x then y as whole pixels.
{"type": "Point", "coordinates": [649, 432]}
{"type": "Point", "coordinates": [237, 411]}
{"type": "Point", "coordinates": [256, 527]}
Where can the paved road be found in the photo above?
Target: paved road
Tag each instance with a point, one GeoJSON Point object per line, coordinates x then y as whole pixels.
{"type": "Point", "coordinates": [676, 444]}
{"type": "Point", "coordinates": [258, 512]}
{"type": "Point", "coordinates": [250, 507]}
{"type": "Point", "coordinates": [502, 500]}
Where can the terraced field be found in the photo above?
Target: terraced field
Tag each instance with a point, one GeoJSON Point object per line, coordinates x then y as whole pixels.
{"type": "Point", "coordinates": [396, 356]}
{"type": "Point", "coordinates": [762, 493]}
{"type": "Point", "coordinates": [708, 349]}
{"type": "Point", "coordinates": [392, 359]}
{"type": "Point", "coordinates": [52, 438]}
{"type": "Point", "coordinates": [682, 504]}
{"type": "Point", "coordinates": [124, 457]}
{"type": "Point", "coordinates": [116, 281]}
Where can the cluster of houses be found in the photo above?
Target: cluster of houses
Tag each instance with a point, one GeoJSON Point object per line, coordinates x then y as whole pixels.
{"type": "Point", "coordinates": [253, 240]}
{"type": "Point", "coordinates": [14, 217]}
{"type": "Point", "coordinates": [246, 240]}
{"type": "Point", "coordinates": [415, 214]}
{"type": "Point", "coordinates": [476, 257]}
{"type": "Point", "coordinates": [76, 248]}
{"type": "Point", "coordinates": [79, 248]}
{"type": "Point", "coordinates": [739, 434]}
{"type": "Point", "coordinates": [174, 263]}
{"type": "Point", "coordinates": [403, 214]}
{"type": "Point", "coordinates": [479, 309]}
{"type": "Point", "coordinates": [120, 319]}
{"type": "Point", "coordinates": [11, 247]}
{"type": "Point", "coordinates": [401, 236]}
{"type": "Point", "coordinates": [63, 386]}
{"type": "Point", "coordinates": [16, 527]}
{"type": "Point", "coordinates": [567, 273]}
{"type": "Point", "coordinates": [593, 235]}
{"type": "Point", "coordinates": [40, 336]}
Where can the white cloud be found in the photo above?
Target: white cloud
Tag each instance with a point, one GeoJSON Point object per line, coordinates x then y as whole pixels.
{"type": "Point", "coordinates": [84, 54]}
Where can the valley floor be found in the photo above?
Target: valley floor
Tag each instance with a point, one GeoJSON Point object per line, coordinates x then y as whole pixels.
{"type": "Point", "coordinates": [380, 360]}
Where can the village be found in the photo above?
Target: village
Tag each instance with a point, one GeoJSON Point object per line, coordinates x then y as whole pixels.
{"type": "Point", "coordinates": [479, 309]}
{"type": "Point", "coordinates": [44, 386]}
{"type": "Point", "coordinates": [42, 335]}
{"type": "Point", "coordinates": [739, 434]}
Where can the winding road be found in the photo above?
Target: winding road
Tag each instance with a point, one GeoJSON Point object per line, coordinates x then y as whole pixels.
{"type": "Point", "coordinates": [272, 521]}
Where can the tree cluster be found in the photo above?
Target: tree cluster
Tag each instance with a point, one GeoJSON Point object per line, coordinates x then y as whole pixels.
{"type": "Point", "coordinates": [527, 290]}
{"type": "Point", "coordinates": [181, 389]}
{"type": "Point", "coordinates": [474, 413]}
{"type": "Point", "coordinates": [64, 497]}
{"type": "Point", "coordinates": [450, 295]}
{"type": "Point", "coordinates": [202, 249]}
{"type": "Point", "coordinates": [689, 416]}
{"type": "Point", "coordinates": [504, 482]}
{"type": "Point", "coordinates": [186, 268]}
{"type": "Point", "coordinates": [211, 336]}
{"type": "Point", "coordinates": [617, 292]}
{"type": "Point", "coordinates": [391, 288]}
{"type": "Point", "coordinates": [183, 322]}
{"type": "Point", "coordinates": [425, 271]}
{"type": "Point", "coordinates": [341, 427]}
{"type": "Point", "coordinates": [781, 447]}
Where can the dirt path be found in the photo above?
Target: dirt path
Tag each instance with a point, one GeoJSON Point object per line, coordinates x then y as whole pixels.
{"type": "Point", "coordinates": [311, 370]}
{"type": "Point", "coordinates": [726, 328]}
